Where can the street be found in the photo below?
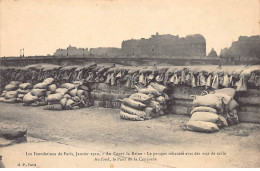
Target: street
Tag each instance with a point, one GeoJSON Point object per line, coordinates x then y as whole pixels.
{"type": "Point", "coordinates": [101, 131]}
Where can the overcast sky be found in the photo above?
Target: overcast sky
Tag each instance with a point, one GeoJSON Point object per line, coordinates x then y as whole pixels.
{"type": "Point", "coordinates": [42, 26]}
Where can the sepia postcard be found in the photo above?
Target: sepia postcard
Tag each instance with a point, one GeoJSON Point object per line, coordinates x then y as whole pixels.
{"type": "Point", "coordinates": [129, 84]}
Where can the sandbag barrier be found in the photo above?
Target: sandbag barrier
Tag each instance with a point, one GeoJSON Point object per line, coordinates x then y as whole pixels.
{"type": "Point", "coordinates": [47, 93]}
{"type": "Point", "coordinates": [210, 77]}
{"type": "Point", "coordinates": [149, 102]}
{"type": "Point", "coordinates": [213, 110]}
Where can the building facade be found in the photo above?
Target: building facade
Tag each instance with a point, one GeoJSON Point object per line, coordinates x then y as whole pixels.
{"type": "Point", "coordinates": [244, 48]}
{"type": "Point", "coordinates": [165, 46]}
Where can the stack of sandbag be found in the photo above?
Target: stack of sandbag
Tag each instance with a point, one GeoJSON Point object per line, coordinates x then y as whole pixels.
{"type": "Point", "coordinates": [69, 96]}
{"type": "Point", "coordinates": [149, 102]}
{"type": "Point", "coordinates": [37, 96]}
{"type": "Point", "coordinates": [24, 88]}
{"type": "Point", "coordinates": [213, 111]}
{"type": "Point", "coordinates": [10, 93]}
{"type": "Point", "coordinates": [134, 107]}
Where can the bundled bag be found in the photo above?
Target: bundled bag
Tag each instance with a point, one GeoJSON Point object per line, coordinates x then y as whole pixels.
{"type": "Point", "coordinates": [40, 86]}
{"type": "Point", "coordinates": [11, 87]}
{"type": "Point", "coordinates": [29, 98]}
{"type": "Point", "coordinates": [204, 116]}
{"type": "Point", "coordinates": [16, 83]}
{"type": "Point", "coordinates": [127, 116]}
{"type": "Point", "coordinates": [140, 97]}
{"type": "Point", "coordinates": [150, 113]}
{"type": "Point", "coordinates": [226, 81]}
{"type": "Point", "coordinates": [215, 83]}
{"type": "Point", "coordinates": [48, 81]}
{"type": "Point", "coordinates": [52, 88]}
{"type": "Point", "coordinates": [201, 126]}
{"type": "Point", "coordinates": [54, 97]}
{"type": "Point", "coordinates": [68, 86]}
{"type": "Point", "coordinates": [63, 101]}
{"type": "Point", "coordinates": [73, 92]}
{"type": "Point", "coordinates": [38, 92]}
{"type": "Point", "coordinates": [61, 90]}
{"type": "Point", "coordinates": [148, 90]}
{"type": "Point", "coordinates": [209, 100]}
{"type": "Point", "coordinates": [80, 93]}
{"type": "Point", "coordinates": [160, 88]}
{"type": "Point", "coordinates": [25, 86]}
{"type": "Point", "coordinates": [228, 91]}
{"type": "Point", "coordinates": [241, 84]}
{"type": "Point", "coordinates": [133, 104]}
{"type": "Point", "coordinates": [11, 100]}
{"type": "Point", "coordinates": [11, 94]}
{"type": "Point", "coordinates": [20, 91]}
{"type": "Point", "coordinates": [225, 98]}
{"type": "Point", "coordinates": [203, 109]}
{"type": "Point", "coordinates": [133, 111]}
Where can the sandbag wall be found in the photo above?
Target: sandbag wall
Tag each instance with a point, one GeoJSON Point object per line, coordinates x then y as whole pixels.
{"type": "Point", "coordinates": [108, 83]}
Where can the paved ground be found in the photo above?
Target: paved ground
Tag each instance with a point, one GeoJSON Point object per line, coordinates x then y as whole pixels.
{"type": "Point", "coordinates": [101, 130]}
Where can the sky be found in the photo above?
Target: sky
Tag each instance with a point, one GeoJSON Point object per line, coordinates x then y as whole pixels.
{"type": "Point", "coordinates": [42, 26]}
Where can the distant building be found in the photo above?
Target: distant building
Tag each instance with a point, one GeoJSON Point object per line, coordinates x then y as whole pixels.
{"type": "Point", "coordinates": [212, 53]}
{"type": "Point", "coordinates": [105, 51]}
{"type": "Point", "coordinates": [165, 45]}
{"type": "Point", "coordinates": [246, 48]}
{"type": "Point", "coordinates": [71, 51]}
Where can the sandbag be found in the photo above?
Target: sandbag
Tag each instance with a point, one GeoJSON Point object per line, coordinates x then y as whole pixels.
{"type": "Point", "coordinates": [133, 111]}
{"type": "Point", "coordinates": [48, 81]}
{"type": "Point", "coordinates": [204, 116]}
{"type": "Point", "coordinates": [148, 90]}
{"type": "Point", "coordinates": [21, 95]}
{"type": "Point", "coordinates": [225, 98]}
{"type": "Point", "coordinates": [228, 91]}
{"type": "Point", "coordinates": [20, 91]}
{"type": "Point", "coordinates": [209, 100]}
{"type": "Point", "coordinates": [133, 104]}
{"type": "Point", "coordinates": [11, 94]}
{"type": "Point", "coordinates": [75, 99]}
{"type": "Point", "coordinates": [61, 90]}
{"type": "Point", "coordinates": [3, 93]}
{"type": "Point", "coordinates": [10, 100]}
{"type": "Point", "coordinates": [48, 93]}
{"type": "Point", "coordinates": [38, 92]}
{"type": "Point", "coordinates": [68, 86]}
{"type": "Point", "coordinates": [16, 83]}
{"type": "Point", "coordinates": [53, 107]}
{"type": "Point", "coordinates": [201, 126]}
{"type": "Point", "coordinates": [54, 97]}
{"type": "Point", "coordinates": [160, 88]}
{"type": "Point", "coordinates": [40, 86]}
{"type": "Point", "coordinates": [11, 87]}
{"type": "Point", "coordinates": [232, 105]}
{"type": "Point", "coordinates": [29, 98]}
{"type": "Point", "coordinates": [70, 102]}
{"type": "Point", "coordinates": [222, 122]}
{"type": "Point", "coordinates": [140, 97]}
{"type": "Point", "coordinates": [67, 96]}
{"type": "Point", "coordinates": [25, 86]}
{"type": "Point", "coordinates": [63, 102]}
{"type": "Point", "coordinates": [203, 109]}
{"type": "Point", "coordinates": [73, 92]}
{"type": "Point", "coordinates": [80, 93]}
{"type": "Point", "coordinates": [52, 88]}
{"type": "Point", "coordinates": [2, 99]}
{"type": "Point", "coordinates": [127, 116]}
